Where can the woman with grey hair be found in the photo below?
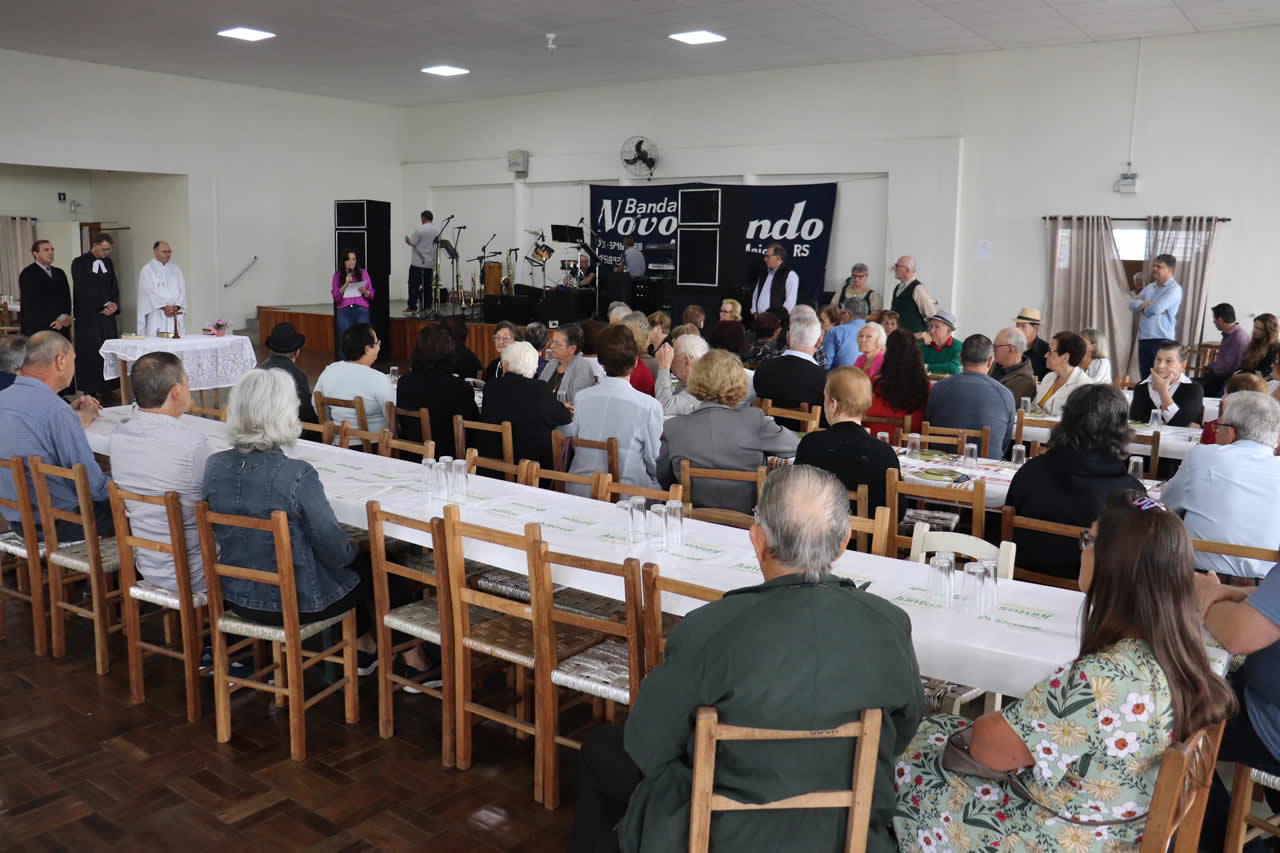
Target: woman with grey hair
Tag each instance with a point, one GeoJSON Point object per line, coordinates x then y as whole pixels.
{"type": "Point", "coordinates": [568, 371]}
{"type": "Point", "coordinates": [1096, 364]}
{"type": "Point", "coordinates": [529, 404]}
{"type": "Point", "coordinates": [856, 287]}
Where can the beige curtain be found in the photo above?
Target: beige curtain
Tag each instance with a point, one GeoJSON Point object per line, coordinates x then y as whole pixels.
{"type": "Point", "coordinates": [1087, 287]}
{"type": "Point", "coordinates": [16, 236]}
{"type": "Point", "coordinates": [1190, 240]}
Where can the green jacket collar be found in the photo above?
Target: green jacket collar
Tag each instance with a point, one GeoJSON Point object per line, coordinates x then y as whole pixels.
{"type": "Point", "coordinates": [791, 580]}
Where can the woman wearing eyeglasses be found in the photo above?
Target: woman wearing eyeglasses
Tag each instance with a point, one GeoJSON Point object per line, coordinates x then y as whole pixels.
{"type": "Point", "coordinates": [856, 287]}
{"type": "Point", "coordinates": [1084, 743]}
{"type": "Point", "coordinates": [504, 333]}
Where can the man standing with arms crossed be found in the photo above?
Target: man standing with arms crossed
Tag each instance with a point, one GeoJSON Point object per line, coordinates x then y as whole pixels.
{"type": "Point", "coordinates": [422, 264]}
{"type": "Point", "coordinates": [1157, 306]}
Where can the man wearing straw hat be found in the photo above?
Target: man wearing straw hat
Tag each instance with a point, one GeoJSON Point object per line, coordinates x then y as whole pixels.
{"type": "Point", "coordinates": [1028, 322]}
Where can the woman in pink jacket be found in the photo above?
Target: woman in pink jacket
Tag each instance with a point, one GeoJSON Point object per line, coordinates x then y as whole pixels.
{"type": "Point", "coordinates": [352, 290]}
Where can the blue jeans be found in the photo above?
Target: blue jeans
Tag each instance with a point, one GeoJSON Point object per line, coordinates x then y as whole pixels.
{"type": "Point", "coordinates": [1147, 349]}
{"type": "Point", "coordinates": [350, 316]}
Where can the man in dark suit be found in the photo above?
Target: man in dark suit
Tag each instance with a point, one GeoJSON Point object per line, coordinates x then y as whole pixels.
{"type": "Point", "coordinates": [845, 448]}
{"type": "Point", "coordinates": [284, 343]}
{"type": "Point", "coordinates": [97, 301]}
{"type": "Point", "coordinates": [45, 294]}
{"type": "Point", "coordinates": [794, 377]}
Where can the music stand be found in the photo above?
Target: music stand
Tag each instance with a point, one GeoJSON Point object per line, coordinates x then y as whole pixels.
{"type": "Point", "coordinates": [453, 256]}
{"type": "Point", "coordinates": [566, 234]}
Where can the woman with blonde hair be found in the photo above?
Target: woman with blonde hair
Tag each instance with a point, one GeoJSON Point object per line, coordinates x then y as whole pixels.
{"type": "Point", "coordinates": [642, 376]}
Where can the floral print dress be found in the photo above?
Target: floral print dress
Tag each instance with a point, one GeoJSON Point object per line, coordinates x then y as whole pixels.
{"type": "Point", "coordinates": [1097, 730]}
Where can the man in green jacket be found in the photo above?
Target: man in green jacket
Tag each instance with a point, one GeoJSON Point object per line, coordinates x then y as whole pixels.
{"type": "Point", "coordinates": [803, 650]}
{"type": "Point", "coordinates": [940, 348]}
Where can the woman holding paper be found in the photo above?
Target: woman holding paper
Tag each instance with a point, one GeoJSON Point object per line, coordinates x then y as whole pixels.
{"type": "Point", "coordinates": [352, 290]}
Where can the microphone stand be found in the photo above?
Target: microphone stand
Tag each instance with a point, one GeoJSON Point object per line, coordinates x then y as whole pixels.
{"type": "Point", "coordinates": [435, 314]}
{"type": "Point", "coordinates": [484, 255]}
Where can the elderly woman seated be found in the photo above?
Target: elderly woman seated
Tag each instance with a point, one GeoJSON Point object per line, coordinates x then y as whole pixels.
{"type": "Point", "coordinates": [529, 404]}
{"type": "Point", "coordinates": [1169, 390]}
{"type": "Point", "coordinates": [719, 434]}
{"type": "Point", "coordinates": [255, 478]}
{"type": "Point", "coordinates": [1066, 352]}
{"type": "Point", "coordinates": [568, 371]}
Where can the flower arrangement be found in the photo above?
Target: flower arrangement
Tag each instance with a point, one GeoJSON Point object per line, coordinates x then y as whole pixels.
{"type": "Point", "coordinates": [220, 327]}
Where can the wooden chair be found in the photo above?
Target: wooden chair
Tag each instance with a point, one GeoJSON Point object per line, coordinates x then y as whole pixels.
{"type": "Point", "coordinates": [422, 416]}
{"type": "Point", "coordinates": [877, 528]}
{"type": "Point", "coordinates": [925, 542]}
{"type": "Point", "coordinates": [356, 404]}
{"type": "Point", "coordinates": [617, 491]}
{"type": "Point", "coordinates": [429, 620]}
{"type": "Point", "coordinates": [983, 435]}
{"type": "Point", "coordinates": [7, 326]}
{"type": "Point", "coordinates": [460, 428]}
{"type": "Point", "coordinates": [289, 659]}
{"type": "Point", "coordinates": [190, 606]}
{"type": "Point", "coordinates": [710, 732]}
{"type": "Point", "coordinates": [1153, 463]}
{"type": "Point", "coordinates": [325, 431]}
{"type": "Point", "coordinates": [973, 499]}
{"type": "Point", "coordinates": [1022, 421]}
{"type": "Point", "coordinates": [369, 441]}
{"type": "Point", "coordinates": [610, 670]}
{"type": "Point", "coordinates": [508, 637]}
{"type": "Point", "coordinates": [1036, 450]}
{"type": "Point", "coordinates": [609, 446]}
{"type": "Point", "coordinates": [1182, 793]}
{"type": "Point", "coordinates": [1248, 552]}
{"type": "Point", "coordinates": [807, 417]}
{"type": "Point", "coordinates": [718, 515]}
{"type": "Point", "coordinates": [953, 443]}
{"type": "Point", "coordinates": [1011, 521]}
{"type": "Point", "coordinates": [215, 413]}
{"type": "Point", "coordinates": [93, 559]}
{"type": "Point", "coordinates": [656, 624]}
{"type": "Point", "coordinates": [898, 427]}
{"type": "Point", "coordinates": [596, 482]}
{"type": "Point", "coordinates": [512, 471]}
{"type": "Point", "coordinates": [1124, 383]}
{"type": "Point", "coordinates": [1242, 826]}
{"type": "Point", "coordinates": [23, 545]}
{"type": "Point", "coordinates": [388, 446]}
{"type": "Point", "coordinates": [860, 502]}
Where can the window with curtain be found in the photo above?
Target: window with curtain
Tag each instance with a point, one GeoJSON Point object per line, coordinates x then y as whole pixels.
{"type": "Point", "coordinates": [16, 236]}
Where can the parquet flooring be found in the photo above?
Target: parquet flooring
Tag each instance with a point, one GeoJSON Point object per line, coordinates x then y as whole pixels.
{"type": "Point", "coordinates": [81, 769]}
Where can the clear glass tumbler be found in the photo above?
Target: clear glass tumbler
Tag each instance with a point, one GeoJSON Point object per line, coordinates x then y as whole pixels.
{"type": "Point", "coordinates": [442, 472]}
{"type": "Point", "coordinates": [658, 526]}
{"type": "Point", "coordinates": [1026, 405]}
{"type": "Point", "coordinates": [1137, 467]}
{"type": "Point", "coordinates": [1156, 420]}
{"type": "Point", "coordinates": [883, 436]}
{"type": "Point", "coordinates": [913, 444]}
{"type": "Point", "coordinates": [458, 479]}
{"type": "Point", "coordinates": [624, 521]}
{"type": "Point", "coordinates": [1019, 454]}
{"type": "Point", "coordinates": [941, 569]}
{"type": "Point", "coordinates": [974, 595]}
{"type": "Point", "coordinates": [971, 454]}
{"type": "Point", "coordinates": [675, 524]}
{"type": "Point", "coordinates": [991, 599]}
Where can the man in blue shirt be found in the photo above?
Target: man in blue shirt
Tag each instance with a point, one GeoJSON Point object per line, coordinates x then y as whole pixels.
{"type": "Point", "coordinates": [841, 342]}
{"type": "Point", "coordinates": [13, 350]}
{"type": "Point", "coordinates": [35, 421]}
{"type": "Point", "coordinates": [971, 399]}
{"type": "Point", "coordinates": [1157, 306]}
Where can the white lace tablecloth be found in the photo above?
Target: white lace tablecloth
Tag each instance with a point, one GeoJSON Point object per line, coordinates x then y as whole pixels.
{"type": "Point", "coordinates": [210, 361]}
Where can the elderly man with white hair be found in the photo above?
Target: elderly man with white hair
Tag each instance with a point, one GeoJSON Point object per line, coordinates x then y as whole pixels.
{"type": "Point", "coordinates": [1227, 492]}
{"type": "Point", "coordinates": [911, 301]}
{"type": "Point", "coordinates": [1012, 367]}
{"type": "Point", "coordinates": [674, 366]}
{"type": "Point", "coordinates": [794, 377]}
{"type": "Point", "coordinates": [779, 654]}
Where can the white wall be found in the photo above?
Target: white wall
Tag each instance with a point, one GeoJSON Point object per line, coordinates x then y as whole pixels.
{"type": "Point", "coordinates": [264, 167]}
{"type": "Point", "coordinates": [975, 147]}
{"type": "Point", "coordinates": [33, 191]}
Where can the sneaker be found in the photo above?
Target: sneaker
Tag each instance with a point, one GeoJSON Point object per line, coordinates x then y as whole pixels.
{"type": "Point", "coordinates": [366, 663]}
{"type": "Point", "coordinates": [425, 677]}
{"type": "Point", "coordinates": [206, 657]}
{"type": "Point", "coordinates": [410, 311]}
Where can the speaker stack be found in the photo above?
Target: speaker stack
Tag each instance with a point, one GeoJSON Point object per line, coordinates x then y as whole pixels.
{"type": "Point", "coordinates": [364, 227]}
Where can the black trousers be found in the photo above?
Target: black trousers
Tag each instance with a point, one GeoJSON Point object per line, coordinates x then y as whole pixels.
{"type": "Point", "coordinates": [69, 532]}
{"type": "Point", "coordinates": [1239, 743]}
{"type": "Point", "coordinates": [420, 280]}
{"type": "Point", "coordinates": [606, 779]}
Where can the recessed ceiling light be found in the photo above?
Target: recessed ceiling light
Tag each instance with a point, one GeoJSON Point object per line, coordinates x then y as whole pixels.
{"type": "Point", "coordinates": [246, 34]}
{"type": "Point", "coordinates": [445, 70]}
{"type": "Point", "coordinates": [697, 37]}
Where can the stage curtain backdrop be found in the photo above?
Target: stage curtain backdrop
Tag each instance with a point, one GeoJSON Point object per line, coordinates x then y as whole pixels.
{"type": "Point", "coordinates": [1087, 285]}
{"type": "Point", "coordinates": [16, 235]}
{"type": "Point", "coordinates": [1190, 240]}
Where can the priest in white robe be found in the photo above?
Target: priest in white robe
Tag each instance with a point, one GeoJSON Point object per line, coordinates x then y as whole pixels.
{"type": "Point", "coordinates": [162, 294]}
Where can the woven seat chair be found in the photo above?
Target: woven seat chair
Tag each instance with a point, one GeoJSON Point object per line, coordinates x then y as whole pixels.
{"type": "Point", "coordinates": [897, 427]}
{"type": "Point", "coordinates": [92, 559]}
{"type": "Point", "coordinates": [1182, 793]}
{"type": "Point", "coordinates": [420, 417]}
{"type": "Point", "coordinates": [356, 404]}
{"type": "Point", "coordinates": [503, 431]}
{"type": "Point", "coordinates": [1242, 826]}
{"type": "Point", "coordinates": [657, 625]}
{"type": "Point", "coordinates": [967, 436]}
{"type": "Point", "coordinates": [1011, 521]}
{"type": "Point", "coordinates": [718, 515]}
{"type": "Point", "coordinates": [27, 553]}
{"type": "Point", "coordinates": [190, 606]}
{"type": "Point", "coordinates": [324, 432]}
{"type": "Point", "coordinates": [289, 659]}
{"type": "Point", "coordinates": [389, 446]}
{"type": "Point", "coordinates": [370, 442]}
{"type": "Point", "coordinates": [609, 447]}
{"type": "Point", "coordinates": [974, 499]}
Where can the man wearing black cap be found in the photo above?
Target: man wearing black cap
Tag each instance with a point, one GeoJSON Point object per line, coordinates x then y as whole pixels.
{"type": "Point", "coordinates": [284, 343]}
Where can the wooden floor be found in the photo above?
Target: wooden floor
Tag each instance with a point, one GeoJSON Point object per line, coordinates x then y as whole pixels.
{"type": "Point", "coordinates": [81, 769]}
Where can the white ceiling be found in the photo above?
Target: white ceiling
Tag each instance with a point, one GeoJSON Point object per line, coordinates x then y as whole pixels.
{"type": "Point", "coordinates": [371, 50]}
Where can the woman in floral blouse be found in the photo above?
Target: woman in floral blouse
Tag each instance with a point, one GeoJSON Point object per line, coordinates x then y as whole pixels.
{"type": "Point", "coordinates": [1087, 741]}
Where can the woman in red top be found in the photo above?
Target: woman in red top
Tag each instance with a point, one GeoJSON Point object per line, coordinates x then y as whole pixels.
{"type": "Point", "coordinates": [1238, 382]}
{"type": "Point", "coordinates": [902, 386]}
{"type": "Point", "coordinates": [642, 376]}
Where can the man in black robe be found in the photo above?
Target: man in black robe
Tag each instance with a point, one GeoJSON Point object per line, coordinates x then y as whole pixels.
{"type": "Point", "coordinates": [45, 294]}
{"type": "Point", "coordinates": [97, 296]}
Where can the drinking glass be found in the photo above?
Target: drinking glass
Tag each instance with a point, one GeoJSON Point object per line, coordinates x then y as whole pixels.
{"type": "Point", "coordinates": [458, 479]}
{"type": "Point", "coordinates": [971, 454]}
{"type": "Point", "coordinates": [1026, 405]}
{"type": "Point", "coordinates": [442, 471]}
{"type": "Point", "coordinates": [624, 521]}
{"type": "Point", "coordinates": [1156, 420]}
{"type": "Point", "coordinates": [430, 480]}
{"type": "Point", "coordinates": [638, 518]}
{"type": "Point", "coordinates": [991, 601]}
{"type": "Point", "coordinates": [1137, 467]}
{"type": "Point", "coordinates": [658, 526]}
{"type": "Point", "coordinates": [913, 444]}
{"type": "Point", "coordinates": [1019, 454]}
{"type": "Point", "coordinates": [675, 524]}
{"type": "Point", "coordinates": [394, 374]}
{"type": "Point", "coordinates": [941, 567]}
{"type": "Point", "coordinates": [973, 597]}
{"type": "Point", "coordinates": [883, 436]}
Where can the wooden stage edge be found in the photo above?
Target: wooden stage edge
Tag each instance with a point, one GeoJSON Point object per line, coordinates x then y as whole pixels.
{"type": "Point", "coordinates": [318, 330]}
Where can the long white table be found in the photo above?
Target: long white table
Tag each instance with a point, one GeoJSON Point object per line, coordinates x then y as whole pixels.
{"type": "Point", "coordinates": [1036, 631]}
{"type": "Point", "coordinates": [1175, 442]}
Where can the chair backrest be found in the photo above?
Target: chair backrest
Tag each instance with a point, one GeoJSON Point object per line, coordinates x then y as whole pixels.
{"type": "Point", "coordinates": [217, 414]}
{"type": "Point", "coordinates": [966, 436]}
{"type": "Point", "coordinates": [370, 442]}
{"type": "Point", "coordinates": [688, 473]}
{"type": "Point", "coordinates": [925, 542]}
{"type": "Point", "coordinates": [462, 596]}
{"type": "Point", "coordinates": [327, 430]}
{"type": "Point", "coordinates": [1011, 521]}
{"type": "Point", "coordinates": [384, 567]}
{"type": "Point", "coordinates": [856, 798]}
{"type": "Point", "coordinates": [422, 416]}
{"type": "Point", "coordinates": [388, 446]}
{"type": "Point", "coordinates": [175, 549]}
{"type": "Point", "coordinates": [877, 527]}
{"type": "Point", "coordinates": [357, 403]}
{"type": "Point", "coordinates": [22, 504]}
{"type": "Point", "coordinates": [533, 474]}
{"type": "Point", "coordinates": [512, 472]}
{"type": "Point", "coordinates": [719, 515]}
{"type": "Point", "coordinates": [277, 524]}
{"type": "Point", "coordinates": [655, 641]}
{"type": "Point", "coordinates": [50, 515]}
{"type": "Point", "coordinates": [609, 446]}
{"type": "Point", "coordinates": [807, 417]}
{"type": "Point", "coordinates": [898, 427]}
{"type": "Point", "coordinates": [861, 500]}
{"type": "Point", "coordinates": [1182, 793]}
{"type": "Point", "coordinates": [1248, 552]}
{"type": "Point", "coordinates": [1152, 441]}
{"type": "Point", "coordinates": [975, 499]}
{"type": "Point", "coordinates": [1036, 449]}
{"type": "Point", "coordinates": [617, 490]}
{"type": "Point", "coordinates": [954, 443]}
{"type": "Point", "coordinates": [460, 427]}
{"type": "Point", "coordinates": [1124, 383]}
{"type": "Point", "coordinates": [1024, 421]}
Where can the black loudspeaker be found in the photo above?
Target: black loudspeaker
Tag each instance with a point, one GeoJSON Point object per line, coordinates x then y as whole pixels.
{"type": "Point", "coordinates": [565, 306]}
{"type": "Point", "coordinates": [709, 258]}
{"type": "Point", "coordinates": [513, 309]}
{"type": "Point", "coordinates": [364, 227]}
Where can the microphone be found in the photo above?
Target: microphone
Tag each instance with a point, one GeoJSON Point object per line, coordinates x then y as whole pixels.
{"type": "Point", "coordinates": [582, 220]}
{"type": "Point", "coordinates": [461, 227]}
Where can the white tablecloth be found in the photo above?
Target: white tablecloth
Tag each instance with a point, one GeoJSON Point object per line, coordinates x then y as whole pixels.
{"type": "Point", "coordinates": [997, 474]}
{"type": "Point", "coordinates": [1036, 631]}
{"type": "Point", "coordinates": [210, 361]}
{"type": "Point", "coordinates": [1212, 405]}
{"type": "Point", "coordinates": [1175, 442]}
